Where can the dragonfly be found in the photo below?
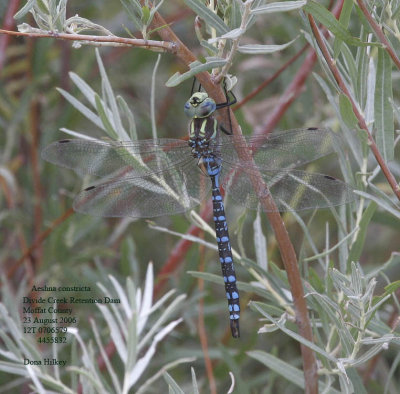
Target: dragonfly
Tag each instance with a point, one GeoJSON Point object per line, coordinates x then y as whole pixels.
{"type": "Point", "coordinates": [156, 177]}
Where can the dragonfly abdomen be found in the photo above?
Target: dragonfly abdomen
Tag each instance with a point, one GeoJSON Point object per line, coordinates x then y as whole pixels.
{"type": "Point", "coordinates": [225, 257]}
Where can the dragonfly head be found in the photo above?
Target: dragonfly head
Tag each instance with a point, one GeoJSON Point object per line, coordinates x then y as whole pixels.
{"type": "Point", "coordinates": [199, 105]}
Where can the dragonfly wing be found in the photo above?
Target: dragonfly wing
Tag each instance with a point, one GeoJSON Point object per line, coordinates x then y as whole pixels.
{"type": "Point", "coordinates": [282, 149]}
{"type": "Point", "coordinates": [102, 158]}
{"type": "Point", "coordinates": [291, 190]}
{"type": "Point", "coordinates": [171, 191]}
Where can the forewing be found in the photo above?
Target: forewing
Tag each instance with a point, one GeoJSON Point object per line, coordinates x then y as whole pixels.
{"type": "Point", "coordinates": [281, 149]}
{"type": "Point", "coordinates": [102, 158]}
{"type": "Point", "coordinates": [291, 190]}
{"type": "Point", "coordinates": [171, 191]}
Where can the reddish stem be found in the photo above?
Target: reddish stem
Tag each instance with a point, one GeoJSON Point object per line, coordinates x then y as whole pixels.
{"type": "Point", "coordinates": [8, 24]}
{"type": "Point", "coordinates": [270, 79]}
{"type": "Point", "coordinates": [378, 31]}
{"type": "Point", "coordinates": [34, 121]}
{"type": "Point", "coordinates": [361, 121]}
{"type": "Point", "coordinates": [123, 41]}
{"type": "Point", "coordinates": [39, 240]}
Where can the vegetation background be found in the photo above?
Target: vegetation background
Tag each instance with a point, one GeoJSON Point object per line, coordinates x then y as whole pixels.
{"type": "Point", "coordinates": [173, 334]}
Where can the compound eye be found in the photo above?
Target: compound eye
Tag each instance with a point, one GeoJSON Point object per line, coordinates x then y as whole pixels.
{"type": "Point", "coordinates": [208, 107]}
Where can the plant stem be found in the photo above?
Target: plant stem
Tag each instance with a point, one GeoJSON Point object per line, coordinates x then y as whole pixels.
{"type": "Point", "coordinates": [8, 23]}
{"type": "Point", "coordinates": [378, 31]}
{"type": "Point", "coordinates": [270, 79]}
{"type": "Point", "coordinates": [111, 40]}
{"type": "Point", "coordinates": [285, 246]}
{"type": "Point", "coordinates": [361, 121]}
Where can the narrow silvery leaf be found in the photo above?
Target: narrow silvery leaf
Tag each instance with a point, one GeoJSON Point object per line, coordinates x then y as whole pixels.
{"type": "Point", "coordinates": [383, 204]}
{"type": "Point", "coordinates": [132, 376]}
{"type": "Point", "coordinates": [260, 243]}
{"type": "Point", "coordinates": [170, 309]}
{"type": "Point", "coordinates": [233, 34]}
{"type": "Point", "coordinates": [144, 312]}
{"type": "Point", "coordinates": [207, 276]}
{"type": "Point", "coordinates": [346, 111]}
{"type": "Point", "coordinates": [110, 98]}
{"type": "Point", "coordinates": [356, 279]}
{"type": "Point", "coordinates": [85, 89]}
{"type": "Point", "coordinates": [358, 245]}
{"type": "Point", "coordinates": [263, 49]}
{"type": "Point", "coordinates": [362, 56]}
{"type": "Point", "coordinates": [107, 126]}
{"type": "Point", "coordinates": [211, 18]}
{"type": "Point", "coordinates": [370, 101]}
{"type": "Point", "coordinates": [153, 98]}
{"type": "Point", "coordinates": [25, 9]}
{"type": "Point", "coordinates": [106, 359]}
{"type": "Point", "coordinates": [383, 108]}
{"type": "Point", "coordinates": [280, 367]}
{"type": "Point", "coordinates": [236, 14]}
{"type": "Point", "coordinates": [172, 384]}
{"type": "Point", "coordinates": [129, 116]}
{"type": "Point", "coordinates": [350, 67]}
{"type": "Point", "coordinates": [279, 7]}
{"type": "Point", "coordinates": [134, 11]}
{"type": "Point", "coordinates": [85, 111]}
{"type": "Point", "coordinates": [77, 134]}
{"type": "Point", "coordinates": [114, 332]}
{"type": "Point", "coordinates": [344, 19]}
{"type": "Point", "coordinates": [121, 295]}
{"type": "Point", "coordinates": [294, 335]}
{"type": "Point", "coordinates": [194, 382]}
{"type": "Point", "coordinates": [195, 68]}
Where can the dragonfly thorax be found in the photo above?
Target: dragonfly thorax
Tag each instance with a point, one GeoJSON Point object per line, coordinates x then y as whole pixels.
{"type": "Point", "coordinates": [201, 132]}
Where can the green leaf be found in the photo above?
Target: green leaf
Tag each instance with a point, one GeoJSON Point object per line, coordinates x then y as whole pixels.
{"type": "Point", "coordinates": [207, 276]}
{"type": "Point", "coordinates": [315, 280]}
{"type": "Point", "coordinates": [350, 64]}
{"type": "Point", "coordinates": [344, 19]}
{"type": "Point", "coordinates": [208, 16]}
{"type": "Point", "coordinates": [383, 108]}
{"type": "Point", "coordinates": [290, 373]}
{"type": "Point", "coordinates": [331, 23]}
{"type": "Point", "coordinates": [346, 111]}
{"type": "Point", "coordinates": [145, 14]}
{"type": "Point", "coordinates": [104, 118]}
{"type": "Point", "coordinates": [294, 335]}
{"type": "Point", "coordinates": [365, 79]}
{"type": "Point", "coordinates": [42, 7]}
{"type": "Point", "coordinates": [358, 245]}
{"type": "Point", "coordinates": [356, 381]}
{"type": "Point", "coordinates": [195, 68]}
{"type": "Point", "coordinates": [392, 287]}
{"type": "Point", "coordinates": [279, 7]}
